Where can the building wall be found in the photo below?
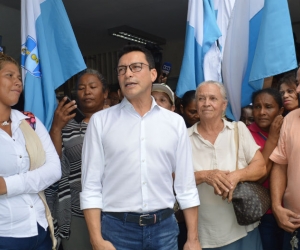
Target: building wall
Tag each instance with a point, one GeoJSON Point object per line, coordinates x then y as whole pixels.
{"type": "Point", "coordinates": [10, 30]}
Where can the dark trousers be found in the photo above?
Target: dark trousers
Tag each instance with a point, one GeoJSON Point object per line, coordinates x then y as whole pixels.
{"type": "Point", "coordinates": [42, 241]}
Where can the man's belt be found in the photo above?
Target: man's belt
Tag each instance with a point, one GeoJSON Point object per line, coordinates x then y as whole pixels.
{"type": "Point", "coordinates": [143, 219]}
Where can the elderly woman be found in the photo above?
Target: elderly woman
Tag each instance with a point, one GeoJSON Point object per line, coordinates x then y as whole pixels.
{"type": "Point", "coordinates": [214, 159]}
{"type": "Point", "coordinates": [67, 133]}
{"type": "Point", "coordinates": [29, 164]}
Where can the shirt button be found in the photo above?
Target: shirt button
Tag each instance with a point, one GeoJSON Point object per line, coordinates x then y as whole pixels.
{"type": "Point", "coordinates": [20, 156]}
{"type": "Point", "coordinates": [14, 140]}
{"type": "Point", "coordinates": [144, 183]}
{"type": "Point", "coordinates": [31, 206]}
{"type": "Point", "coordinates": [143, 138]}
{"type": "Point", "coordinates": [143, 160]}
{"type": "Point", "coordinates": [145, 205]}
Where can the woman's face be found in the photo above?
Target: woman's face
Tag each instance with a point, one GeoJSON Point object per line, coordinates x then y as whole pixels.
{"type": "Point", "coordinates": [10, 84]}
{"type": "Point", "coordinates": [210, 102]}
{"type": "Point", "coordinates": [90, 94]}
{"type": "Point", "coordinates": [247, 116]}
{"type": "Point", "coordinates": [189, 113]}
{"type": "Point", "coordinates": [163, 100]}
{"type": "Point", "coordinates": [289, 96]}
{"type": "Point", "coordinates": [265, 109]}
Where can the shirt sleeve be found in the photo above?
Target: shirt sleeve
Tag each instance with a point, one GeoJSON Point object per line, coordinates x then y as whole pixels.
{"type": "Point", "coordinates": [184, 184]}
{"type": "Point", "coordinates": [92, 165]}
{"type": "Point", "coordinates": [279, 153]}
{"type": "Point", "coordinates": [39, 179]}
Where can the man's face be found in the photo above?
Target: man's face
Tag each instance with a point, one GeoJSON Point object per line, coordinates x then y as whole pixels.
{"type": "Point", "coordinates": [136, 85]}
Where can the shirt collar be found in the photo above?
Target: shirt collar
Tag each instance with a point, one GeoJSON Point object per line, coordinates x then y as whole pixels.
{"type": "Point", "coordinates": [16, 118]}
{"type": "Point", "coordinates": [253, 127]}
{"type": "Point", "coordinates": [125, 103]}
{"type": "Point", "coordinates": [194, 129]}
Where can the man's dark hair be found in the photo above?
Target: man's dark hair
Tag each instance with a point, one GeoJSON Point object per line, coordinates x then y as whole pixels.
{"type": "Point", "coordinates": [95, 73]}
{"type": "Point", "coordinates": [134, 47]}
{"type": "Point", "coordinates": [272, 92]}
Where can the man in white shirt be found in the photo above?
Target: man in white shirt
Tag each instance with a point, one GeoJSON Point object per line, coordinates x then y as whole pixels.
{"type": "Point", "coordinates": [129, 154]}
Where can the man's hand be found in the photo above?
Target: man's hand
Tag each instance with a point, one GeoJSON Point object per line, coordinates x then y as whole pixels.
{"type": "Point", "coordinates": [286, 219]}
{"type": "Point", "coordinates": [192, 245]}
{"type": "Point", "coordinates": [102, 245]}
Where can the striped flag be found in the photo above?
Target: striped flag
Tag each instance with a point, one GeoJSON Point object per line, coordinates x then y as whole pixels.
{"type": "Point", "coordinates": [259, 44]}
{"type": "Point", "coordinates": [202, 32]}
{"type": "Point", "coordinates": [49, 55]}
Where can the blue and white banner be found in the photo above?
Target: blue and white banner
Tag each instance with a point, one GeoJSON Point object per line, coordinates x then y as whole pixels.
{"type": "Point", "coordinates": [259, 44]}
{"type": "Point", "coordinates": [49, 55]}
{"type": "Point", "coordinates": [202, 32]}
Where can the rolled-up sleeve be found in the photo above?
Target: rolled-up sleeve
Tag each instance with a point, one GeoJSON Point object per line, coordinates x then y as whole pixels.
{"type": "Point", "coordinates": [92, 166]}
{"type": "Point", "coordinates": [184, 184]}
{"type": "Point", "coordinates": [39, 179]}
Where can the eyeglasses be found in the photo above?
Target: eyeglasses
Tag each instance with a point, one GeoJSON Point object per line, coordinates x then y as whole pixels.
{"type": "Point", "coordinates": [134, 67]}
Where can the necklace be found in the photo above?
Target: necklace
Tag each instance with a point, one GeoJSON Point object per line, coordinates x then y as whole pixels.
{"type": "Point", "coordinates": [6, 123]}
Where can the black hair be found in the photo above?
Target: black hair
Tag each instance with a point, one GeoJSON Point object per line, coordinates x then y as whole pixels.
{"type": "Point", "coordinates": [114, 87]}
{"type": "Point", "coordinates": [272, 92]}
{"type": "Point", "coordinates": [188, 97]}
{"type": "Point", "coordinates": [288, 79]}
{"type": "Point", "coordinates": [95, 73]}
{"type": "Point", "coordinates": [134, 47]}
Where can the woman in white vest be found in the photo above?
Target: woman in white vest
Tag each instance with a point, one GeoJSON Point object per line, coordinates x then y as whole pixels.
{"type": "Point", "coordinates": [29, 164]}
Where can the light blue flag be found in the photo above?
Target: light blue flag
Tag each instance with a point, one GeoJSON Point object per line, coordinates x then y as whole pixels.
{"type": "Point", "coordinates": [202, 32]}
{"type": "Point", "coordinates": [49, 55]}
{"type": "Point", "coordinates": [265, 47]}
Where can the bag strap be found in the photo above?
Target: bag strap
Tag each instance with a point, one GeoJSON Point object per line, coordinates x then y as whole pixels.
{"type": "Point", "coordinates": [236, 140]}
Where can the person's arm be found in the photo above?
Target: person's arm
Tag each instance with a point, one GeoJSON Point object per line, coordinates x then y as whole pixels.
{"type": "Point", "coordinates": [3, 189]}
{"type": "Point", "coordinates": [286, 219]}
{"type": "Point", "coordinates": [60, 120]}
{"type": "Point", "coordinates": [253, 172]}
{"type": "Point", "coordinates": [93, 163]}
{"type": "Point", "coordinates": [191, 220]}
{"type": "Point", "coordinates": [93, 221]}
{"type": "Point", "coordinates": [215, 178]}
{"type": "Point", "coordinates": [271, 144]}
{"type": "Point", "coordinates": [39, 179]}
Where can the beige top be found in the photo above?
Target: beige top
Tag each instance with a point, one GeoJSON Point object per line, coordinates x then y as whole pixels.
{"type": "Point", "coordinates": [287, 152]}
{"type": "Point", "coordinates": [217, 224]}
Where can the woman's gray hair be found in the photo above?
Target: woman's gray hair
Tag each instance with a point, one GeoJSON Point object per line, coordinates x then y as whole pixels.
{"type": "Point", "coordinates": [220, 86]}
{"type": "Point", "coordinates": [95, 73]}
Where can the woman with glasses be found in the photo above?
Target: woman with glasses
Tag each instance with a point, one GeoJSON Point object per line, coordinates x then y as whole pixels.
{"type": "Point", "coordinates": [287, 89]}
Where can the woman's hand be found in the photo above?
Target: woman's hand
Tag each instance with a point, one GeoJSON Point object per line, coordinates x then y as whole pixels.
{"type": "Point", "coordinates": [275, 127]}
{"type": "Point", "coordinates": [218, 179]}
{"type": "Point", "coordinates": [62, 114]}
{"type": "Point", "coordinates": [234, 179]}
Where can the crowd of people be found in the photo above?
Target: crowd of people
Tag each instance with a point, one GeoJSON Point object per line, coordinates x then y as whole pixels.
{"type": "Point", "coordinates": [131, 166]}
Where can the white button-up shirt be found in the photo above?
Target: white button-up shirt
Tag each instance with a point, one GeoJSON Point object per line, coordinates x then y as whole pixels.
{"type": "Point", "coordinates": [128, 161]}
{"type": "Point", "coordinates": [21, 208]}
